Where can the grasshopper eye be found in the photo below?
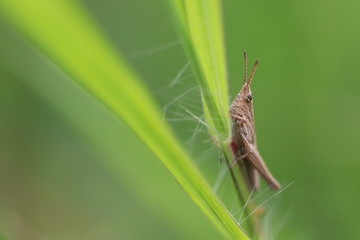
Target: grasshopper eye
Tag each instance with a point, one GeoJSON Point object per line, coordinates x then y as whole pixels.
{"type": "Point", "coordinates": [249, 97]}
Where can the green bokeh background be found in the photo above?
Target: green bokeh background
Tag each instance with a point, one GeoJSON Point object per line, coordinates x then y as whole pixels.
{"type": "Point", "coordinates": [55, 138]}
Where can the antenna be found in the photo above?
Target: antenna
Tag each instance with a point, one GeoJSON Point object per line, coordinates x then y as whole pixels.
{"type": "Point", "coordinates": [245, 67]}
{"type": "Point", "coordinates": [253, 71]}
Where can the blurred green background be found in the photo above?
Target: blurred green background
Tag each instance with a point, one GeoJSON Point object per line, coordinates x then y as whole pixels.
{"type": "Point", "coordinates": [59, 147]}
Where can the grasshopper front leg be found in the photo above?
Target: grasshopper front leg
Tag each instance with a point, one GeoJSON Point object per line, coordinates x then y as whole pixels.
{"type": "Point", "coordinates": [240, 118]}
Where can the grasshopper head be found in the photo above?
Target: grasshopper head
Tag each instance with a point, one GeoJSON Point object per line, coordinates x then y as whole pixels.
{"type": "Point", "coordinates": [243, 101]}
{"type": "Point", "coordinates": [245, 93]}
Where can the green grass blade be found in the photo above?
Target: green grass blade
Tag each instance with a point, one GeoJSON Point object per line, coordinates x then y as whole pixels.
{"type": "Point", "coordinates": [64, 32]}
{"type": "Point", "coordinates": [201, 29]}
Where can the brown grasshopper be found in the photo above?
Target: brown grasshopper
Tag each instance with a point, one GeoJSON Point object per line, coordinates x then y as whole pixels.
{"type": "Point", "coordinates": [243, 144]}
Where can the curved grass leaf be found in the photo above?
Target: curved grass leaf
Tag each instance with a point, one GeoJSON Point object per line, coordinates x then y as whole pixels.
{"type": "Point", "coordinates": [201, 29]}
{"type": "Point", "coordinates": [64, 32]}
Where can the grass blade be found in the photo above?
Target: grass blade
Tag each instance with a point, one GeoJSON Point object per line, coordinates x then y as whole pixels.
{"type": "Point", "coordinates": [64, 32]}
{"type": "Point", "coordinates": [201, 29]}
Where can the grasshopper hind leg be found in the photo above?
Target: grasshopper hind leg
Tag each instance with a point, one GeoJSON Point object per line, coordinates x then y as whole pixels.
{"type": "Point", "coordinates": [250, 174]}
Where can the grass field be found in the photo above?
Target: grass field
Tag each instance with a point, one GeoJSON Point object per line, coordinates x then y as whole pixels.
{"type": "Point", "coordinates": [103, 133]}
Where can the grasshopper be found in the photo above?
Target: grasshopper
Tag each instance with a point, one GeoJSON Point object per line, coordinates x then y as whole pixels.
{"type": "Point", "coordinates": [243, 144]}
